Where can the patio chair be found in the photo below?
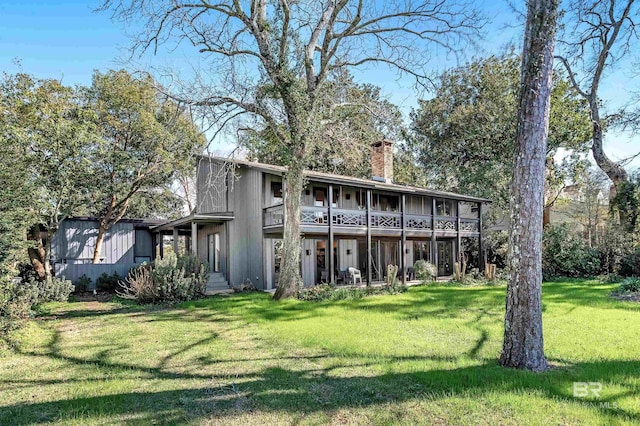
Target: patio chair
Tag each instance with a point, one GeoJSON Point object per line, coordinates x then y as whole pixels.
{"type": "Point", "coordinates": [355, 275]}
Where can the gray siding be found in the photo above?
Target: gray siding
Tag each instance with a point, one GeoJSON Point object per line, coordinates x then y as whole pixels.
{"type": "Point", "coordinates": [245, 230]}
{"type": "Point", "coordinates": [211, 187]}
{"type": "Point", "coordinates": [72, 249]}
{"type": "Point", "coordinates": [203, 247]}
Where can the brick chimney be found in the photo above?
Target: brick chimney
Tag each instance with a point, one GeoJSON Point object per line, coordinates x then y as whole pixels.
{"type": "Point", "coordinates": [382, 161]}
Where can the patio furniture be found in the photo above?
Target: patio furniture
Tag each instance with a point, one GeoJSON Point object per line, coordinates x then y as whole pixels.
{"type": "Point", "coordinates": [355, 275]}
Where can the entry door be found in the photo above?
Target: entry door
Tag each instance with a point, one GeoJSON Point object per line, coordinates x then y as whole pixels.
{"type": "Point", "coordinates": [214, 252]}
{"type": "Point", "coordinates": [445, 257]}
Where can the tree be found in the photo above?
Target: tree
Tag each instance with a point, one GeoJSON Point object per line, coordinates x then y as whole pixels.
{"type": "Point", "coordinates": [523, 345]}
{"type": "Point", "coordinates": [272, 60]}
{"type": "Point", "coordinates": [598, 34]}
{"type": "Point", "coordinates": [352, 117]}
{"type": "Point", "coordinates": [144, 141]}
{"type": "Point", "coordinates": [465, 135]}
{"type": "Point", "coordinates": [55, 134]}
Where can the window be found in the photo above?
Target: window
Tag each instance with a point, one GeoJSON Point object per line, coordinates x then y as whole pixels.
{"type": "Point", "coordinates": [421, 251]}
{"type": "Point", "coordinates": [276, 189]}
{"type": "Point", "coordinates": [445, 207]}
{"type": "Point", "coordinates": [319, 195]}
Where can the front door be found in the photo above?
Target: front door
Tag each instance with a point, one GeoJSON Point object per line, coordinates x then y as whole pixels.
{"type": "Point", "coordinates": [213, 257]}
{"type": "Point", "coordinates": [445, 257]}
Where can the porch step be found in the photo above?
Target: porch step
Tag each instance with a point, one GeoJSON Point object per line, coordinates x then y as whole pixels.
{"type": "Point", "coordinates": [217, 284]}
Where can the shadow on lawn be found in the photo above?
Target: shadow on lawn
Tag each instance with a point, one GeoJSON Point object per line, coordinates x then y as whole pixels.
{"type": "Point", "coordinates": [298, 392]}
{"type": "Point", "coordinates": [309, 391]}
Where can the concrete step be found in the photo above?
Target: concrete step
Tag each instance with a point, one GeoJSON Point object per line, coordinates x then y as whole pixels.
{"type": "Point", "coordinates": [217, 284]}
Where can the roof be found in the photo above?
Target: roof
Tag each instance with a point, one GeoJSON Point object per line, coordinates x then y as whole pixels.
{"type": "Point", "coordinates": [139, 222]}
{"type": "Point", "coordinates": [341, 179]}
{"type": "Point", "coordinates": [193, 218]}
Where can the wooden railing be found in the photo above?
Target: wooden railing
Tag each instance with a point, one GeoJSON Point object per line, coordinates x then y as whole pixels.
{"type": "Point", "coordinates": [274, 215]}
{"type": "Point", "coordinates": [445, 223]}
{"type": "Point", "coordinates": [319, 216]}
{"type": "Point", "coordinates": [314, 215]}
{"type": "Point", "coordinates": [469, 225]}
{"type": "Point", "coordinates": [386, 220]}
{"type": "Point", "coordinates": [341, 217]}
{"type": "Point", "coordinates": [417, 222]}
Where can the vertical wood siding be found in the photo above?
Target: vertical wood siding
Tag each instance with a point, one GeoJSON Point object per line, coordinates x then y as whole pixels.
{"type": "Point", "coordinates": [245, 230]}
{"type": "Point", "coordinates": [211, 187]}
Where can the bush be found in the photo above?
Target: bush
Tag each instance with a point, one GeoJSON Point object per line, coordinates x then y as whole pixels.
{"type": "Point", "coordinates": [322, 292]}
{"type": "Point", "coordinates": [82, 284]}
{"type": "Point", "coordinates": [425, 270]}
{"type": "Point", "coordinates": [565, 254]}
{"type": "Point", "coordinates": [630, 264]}
{"type": "Point", "coordinates": [16, 301]}
{"type": "Point", "coordinates": [170, 279]}
{"type": "Point", "coordinates": [630, 285]}
{"type": "Point", "coordinates": [53, 290]}
{"type": "Point", "coordinates": [106, 282]}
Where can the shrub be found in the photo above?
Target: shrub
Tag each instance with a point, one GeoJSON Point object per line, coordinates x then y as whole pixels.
{"type": "Point", "coordinates": [83, 284]}
{"type": "Point", "coordinates": [322, 292]}
{"type": "Point", "coordinates": [565, 254]}
{"type": "Point", "coordinates": [53, 290]}
{"type": "Point", "coordinates": [16, 301]}
{"type": "Point", "coordinates": [630, 285]}
{"type": "Point", "coordinates": [425, 270]}
{"type": "Point", "coordinates": [630, 264]}
{"type": "Point", "coordinates": [315, 293]}
{"type": "Point", "coordinates": [170, 279]}
{"type": "Point", "coordinates": [106, 282]}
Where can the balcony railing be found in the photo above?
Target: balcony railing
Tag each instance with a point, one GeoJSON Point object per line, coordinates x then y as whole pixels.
{"type": "Point", "coordinates": [386, 220]}
{"type": "Point", "coordinates": [340, 217]}
{"type": "Point", "coordinates": [314, 215]}
{"type": "Point", "coordinates": [274, 215]}
{"type": "Point", "coordinates": [445, 223]}
{"type": "Point", "coordinates": [417, 222]}
{"type": "Point", "coordinates": [469, 225]}
{"type": "Point", "coordinates": [319, 216]}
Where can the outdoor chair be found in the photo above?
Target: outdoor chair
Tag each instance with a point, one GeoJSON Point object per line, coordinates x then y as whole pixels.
{"type": "Point", "coordinates": [355, 275]}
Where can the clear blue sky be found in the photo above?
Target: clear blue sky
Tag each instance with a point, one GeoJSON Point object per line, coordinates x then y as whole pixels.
{"type": "Point", "coordinates": [65, 39]}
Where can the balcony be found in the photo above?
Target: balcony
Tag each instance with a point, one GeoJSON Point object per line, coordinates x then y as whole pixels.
{"type": "Point", "coordinates": [319, 216]}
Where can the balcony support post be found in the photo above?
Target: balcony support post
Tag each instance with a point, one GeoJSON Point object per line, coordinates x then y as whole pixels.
{"type": "Point", "coordinates": [369, 263]}
{"type": "Point", "coordinates": [481, 253]}
{"type": "Point", "coordinates": [459, 237]}
{"type": "Point", "coordinates": [403, 258]}
{"type": "Point", "coordinates": [434, 247]}
{"type": "Point", "coordinates": [332, 269]}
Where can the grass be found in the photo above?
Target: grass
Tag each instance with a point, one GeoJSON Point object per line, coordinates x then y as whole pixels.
{"type": "Point", "coordinates": [427, 356]}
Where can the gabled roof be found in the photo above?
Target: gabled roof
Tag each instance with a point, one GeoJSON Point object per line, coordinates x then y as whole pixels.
{"type": "Point", "coordinates": [348, 180]}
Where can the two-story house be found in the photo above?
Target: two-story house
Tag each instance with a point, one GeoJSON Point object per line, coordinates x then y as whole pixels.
{"type": "Point", "coordinates": [346, 222]}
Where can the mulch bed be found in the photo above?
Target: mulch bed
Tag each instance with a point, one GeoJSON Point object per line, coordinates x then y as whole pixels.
{"type": "Point", "coordinates": [627, 296]}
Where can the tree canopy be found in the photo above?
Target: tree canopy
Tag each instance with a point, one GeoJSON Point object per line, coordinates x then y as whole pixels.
{"type": "Point", "coordinates": [464, 137]}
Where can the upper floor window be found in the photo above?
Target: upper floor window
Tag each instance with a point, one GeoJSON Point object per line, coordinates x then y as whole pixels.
{"type": "Point", "coordinates": [276, 190]}
{"type": "Point", "coordinates": [445, 207]}
{"type": "Point", "coordinates": [385, 203]}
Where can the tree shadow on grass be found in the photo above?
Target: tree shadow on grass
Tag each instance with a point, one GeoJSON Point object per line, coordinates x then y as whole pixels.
{"type": "Point", "coordinates": [308, 391]}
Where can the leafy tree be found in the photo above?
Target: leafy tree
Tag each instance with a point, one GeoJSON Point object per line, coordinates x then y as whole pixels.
{"type": "Point", "coordinates": [144, 140]}
{"type": "Point", "coordinates": [523, 345]}
{"type": "Point", "coordinates": [273, 60]}
{"type": "Point", "coordinates": [55, 136]}
{"type": "Point", "coordinates": [465, 135]}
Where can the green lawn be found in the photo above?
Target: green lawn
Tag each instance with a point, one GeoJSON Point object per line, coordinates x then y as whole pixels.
{"type": "Point", "coordinates": [427, 356]}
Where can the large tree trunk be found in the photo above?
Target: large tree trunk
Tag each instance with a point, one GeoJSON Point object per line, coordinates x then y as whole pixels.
{"type": "Point", "coordinates": [40, 255]}
{"type": "Point", "coordinates": [290, 279]}
{"type": "Point", "coordinates": [523, 343]}
{"type": "Point", "coordinates": [613, 170]}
